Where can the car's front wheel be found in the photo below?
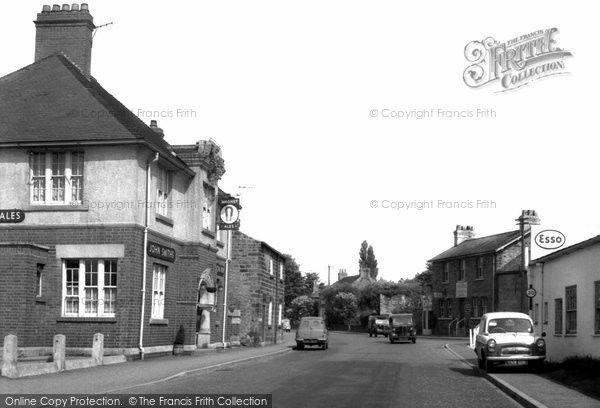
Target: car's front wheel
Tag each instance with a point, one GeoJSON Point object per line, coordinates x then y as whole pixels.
{"type": "Point", "coordinates": [536, 365]}
{"type": "Point", "coordinates": [480, 362]}
{"type": "Point", "coordinates": [489, 366]}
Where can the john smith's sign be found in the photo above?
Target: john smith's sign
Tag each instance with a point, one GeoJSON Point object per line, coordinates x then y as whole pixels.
{"type": "Point", "coordinates": [161, 252]}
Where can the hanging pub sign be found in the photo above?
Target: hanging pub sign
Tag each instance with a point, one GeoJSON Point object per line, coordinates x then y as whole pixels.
{"type": "Point", "coordinates": [229, 214]}
{"type": "Point", "coordinates": [161, 252]}
{"type": "Point", "coordinates": [11, 216]}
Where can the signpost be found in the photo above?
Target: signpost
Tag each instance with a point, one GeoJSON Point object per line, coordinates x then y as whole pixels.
{"type": "Point", "coordinates": [229, 220]}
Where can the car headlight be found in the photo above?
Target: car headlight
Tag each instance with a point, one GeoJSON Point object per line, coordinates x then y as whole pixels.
{"type": "Point", "coordinates": [491, 344]}
{"type": "Point", "coordinates": [540, 343]}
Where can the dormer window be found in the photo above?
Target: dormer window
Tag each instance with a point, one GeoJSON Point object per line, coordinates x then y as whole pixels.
{"type": "Point", "coordinates": [56, 177]}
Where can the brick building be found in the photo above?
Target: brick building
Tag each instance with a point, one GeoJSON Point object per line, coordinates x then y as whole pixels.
{"type": "Point", "coordinates": [116, 228]}
{"type": "Point", "coordinates": [256, 278]}
{"type": "Point", "coordinates": [476, 276]}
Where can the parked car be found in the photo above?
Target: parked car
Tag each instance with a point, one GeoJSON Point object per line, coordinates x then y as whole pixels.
{"type": "Point", "coordinates": [508, 338]}
{"type": "Point", "coordinates": [286, 325]}
{"type": "Point", "coordinates": [402, 328]}
{"type": "Point", "coordinates": [378, 325]}
{"type": "Point", "coordinates": [312, 332]}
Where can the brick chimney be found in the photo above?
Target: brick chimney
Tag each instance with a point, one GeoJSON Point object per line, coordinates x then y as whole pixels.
{"type": "Point", "coordinates": [66, 29]}
{"type": "Point", "coordinates": [462, 233]}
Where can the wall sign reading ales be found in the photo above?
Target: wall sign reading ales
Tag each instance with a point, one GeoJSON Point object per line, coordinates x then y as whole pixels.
{"type": "Point", "coordinates": [11, 216]}
{"type": "Point", "coordinates": [161, 252]}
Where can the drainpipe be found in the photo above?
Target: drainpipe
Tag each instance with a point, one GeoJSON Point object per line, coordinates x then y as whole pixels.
{"type": "Point", "coordinates": [494, 284]}
{"type": "Point", "coordinates": [145, 256]}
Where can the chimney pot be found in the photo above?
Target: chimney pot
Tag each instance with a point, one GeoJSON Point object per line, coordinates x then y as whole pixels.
{"type": "Point", "coordinates": [75, 7]}
{"type": "Point", "coordinates": [84, 7]}
{"type": "Point", "coordinates": [463, 233]}
{"type": "Point", "coordinates": [153, 124]}
{"type": "Point", "coordinates": [46, 8]}
{"type": "Point", "coordinates": [66, 7]}
{"type": "Point", "coordinates": [55, 7]}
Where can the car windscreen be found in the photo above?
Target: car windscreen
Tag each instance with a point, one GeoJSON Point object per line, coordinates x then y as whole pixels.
{"type": "Point", "coordinates": [381, 321]}
{"type": "Point", "coordinates": [402, 320]}
{"type": "Point", "coordinates": [510, 325]}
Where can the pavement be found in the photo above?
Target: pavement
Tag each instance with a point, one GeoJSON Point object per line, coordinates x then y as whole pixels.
{"type": "Point", "coordinates": [530, 390]}
{"type": "Point", "coordinates": [125, 377]}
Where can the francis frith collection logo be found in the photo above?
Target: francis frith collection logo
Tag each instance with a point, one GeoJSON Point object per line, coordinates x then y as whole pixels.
{"type": "Point", "coordinates": [514, 63]}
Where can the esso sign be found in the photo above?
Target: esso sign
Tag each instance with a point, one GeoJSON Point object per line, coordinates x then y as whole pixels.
{"type": "Point", "coordinates": [550, 239]}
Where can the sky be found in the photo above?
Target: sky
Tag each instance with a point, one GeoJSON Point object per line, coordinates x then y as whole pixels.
{"type": "Point", "coordinates": [316, 107]}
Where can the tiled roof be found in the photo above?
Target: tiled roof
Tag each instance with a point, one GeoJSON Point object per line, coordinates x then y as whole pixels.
{"type": "Point", "coordinates": [348, 279]}
{"type": "Point", "coordinates": [52, 102]}
{"type": "Point", "coordinates": [476, 246]}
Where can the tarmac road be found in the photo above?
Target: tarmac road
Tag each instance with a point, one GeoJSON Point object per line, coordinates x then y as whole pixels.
{"type": "Point", "coordinates": [356, 371]}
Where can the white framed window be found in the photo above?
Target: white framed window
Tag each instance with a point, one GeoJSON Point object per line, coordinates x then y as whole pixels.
{"type": "Point", "coordinates": [462, 272]}
{"type": "Point", "coordinates": [56, 177]}
{"type": "Point", "coordinates": [446, 275]}
{"type": "Point", "coordinates": [280, 271]}
{"type": "Point", "coordinates": [208, 207]}
{"type": "Point", "coordinates": [39, 280]}
{"type": "Point", "coordinates": [271, 267]}
{"type": "Point", "coordinates": [89, 287]}
{"type": "Point", "coordinates": [159, 274]}
{"type": "Point", "coordinates": [280, 314]}
{"type": "Point", "coordinates": [270, 314]}
{"type": "Point", "coordinates": [571, 309]}
{"type": "Point", "coordinates": [163, 190]}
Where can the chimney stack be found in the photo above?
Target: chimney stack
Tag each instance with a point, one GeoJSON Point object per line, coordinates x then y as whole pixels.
{"type": "Point", "coordinates": [154, 126]}
{"type": "Point", "coordinates": [66, 29]}
{"type": "Point", "coordinates": [463, 233]}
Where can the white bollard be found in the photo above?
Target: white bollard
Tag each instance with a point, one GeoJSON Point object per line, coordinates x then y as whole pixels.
{"type": "Point", "coordinates": [98, 349]}
{"type": "Point", "coordinates": [59, 352]}
{"type": "Point", "coordinates": [9, 357]}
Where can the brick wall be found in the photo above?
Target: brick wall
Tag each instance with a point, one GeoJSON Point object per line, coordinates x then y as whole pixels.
{"type": "Point", "coordinates": [252, 287]}
{"type": "Point", "coordinates": [37, 321]}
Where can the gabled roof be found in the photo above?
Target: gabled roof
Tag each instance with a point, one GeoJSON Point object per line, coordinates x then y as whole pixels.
{"type": "Point", "coordinates": [479, 246]}
{"type": "Point", "coordinates": [347, 279]}
{"type": "Point", "coordinates": [51, 103]}
{"type": "Point", "coordinates": [568, 250]}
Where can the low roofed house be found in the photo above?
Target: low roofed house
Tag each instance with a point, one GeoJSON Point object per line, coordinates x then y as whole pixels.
{"type": "Point", "coordinates": [475, 276]}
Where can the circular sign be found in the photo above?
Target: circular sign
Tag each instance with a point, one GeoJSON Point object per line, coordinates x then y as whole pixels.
{"type": "Point", "coordinates": [550, 239]}
{"type": "Point", "coordinates": [531, 292]}
{"type": "Point", "coordinates": [229, 214]}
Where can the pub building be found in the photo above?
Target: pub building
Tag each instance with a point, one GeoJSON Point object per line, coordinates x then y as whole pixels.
{"type": "Point", "coordinates": [106, 227]}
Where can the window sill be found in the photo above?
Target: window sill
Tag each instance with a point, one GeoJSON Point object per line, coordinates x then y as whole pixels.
{"type": "Point", "coordinates": [69, 319]}
{"type": "Point", "coordinates": [478, 279]}
{"type": "Point", "coordinates": [165, 220]}
{"type": "Point", "coordinates": [208, 233]}
{"type": "Point", "coordinates": [220, 244]}
{"type": "Point", "coordinates": [596, 335]}
{"type": "Point", "coordinates": [571, 335]}
{"type": "Point", "coordinates": [159, 322]}
{"type": "Point", "coordinates": [55, 207]}
{"type": "Point", "coordinates": [558, 335]}
{"type": "Point", "coordinates": [40, 300]}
